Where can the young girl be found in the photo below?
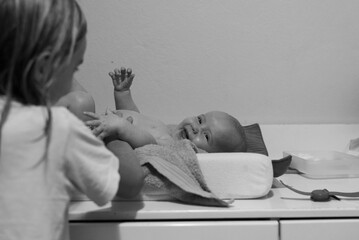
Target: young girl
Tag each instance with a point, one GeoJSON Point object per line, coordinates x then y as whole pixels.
{"type": "Point", "coordinates": [46, 153]}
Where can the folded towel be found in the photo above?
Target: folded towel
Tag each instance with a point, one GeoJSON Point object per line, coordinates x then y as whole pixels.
{"type": "Point", "coordinates": [174, 169]}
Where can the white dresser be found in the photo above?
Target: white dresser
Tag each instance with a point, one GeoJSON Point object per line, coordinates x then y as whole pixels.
{"type": "Point", "coordinates": [282, 215]}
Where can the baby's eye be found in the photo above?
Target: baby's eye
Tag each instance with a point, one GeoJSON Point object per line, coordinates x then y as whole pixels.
{"type": "Point", "coordinates": [199, 120]}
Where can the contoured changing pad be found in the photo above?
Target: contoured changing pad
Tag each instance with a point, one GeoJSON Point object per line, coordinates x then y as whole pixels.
{"type": "Point", "coordinates": [230, 176]}
{"type": "Point", "coordinates": [237, 175]}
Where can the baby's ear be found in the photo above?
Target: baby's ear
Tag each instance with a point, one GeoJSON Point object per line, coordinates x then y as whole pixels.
{"type": "Point", "coordinates": [42, 65]}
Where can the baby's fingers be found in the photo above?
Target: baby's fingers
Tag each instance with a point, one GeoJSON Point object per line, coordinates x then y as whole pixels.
{"type": "Point", "coordinates": [97, 131]}
{"type": "Point", "coordinates": [112, 112]}
{"type": "Point", "coordinates": [115, 75]}
{"type": "Point", "coordinates": [92, 115]}
{"type": "Point", "coordinates": [93, 123]}
{"type": "Point", "coordinates": [123, 72]}
{"type": "Point", "coordinates": [112, 75]}
{"type": "Point", "coordinates": [129, 72]}
{"type": "Point", "coordinates": [117, 72]}
{"type": "Point", "coordinates": [130, 79]}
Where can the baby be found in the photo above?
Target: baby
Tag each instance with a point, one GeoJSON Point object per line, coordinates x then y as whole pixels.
{"type": "Point", "coordinates": [213, 131]}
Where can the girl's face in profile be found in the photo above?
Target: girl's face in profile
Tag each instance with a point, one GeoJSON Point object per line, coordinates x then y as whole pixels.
{"type": "Point", "coordinates": [64, 76]}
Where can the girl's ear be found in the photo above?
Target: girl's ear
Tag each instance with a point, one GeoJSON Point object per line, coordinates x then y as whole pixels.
{"type": "Point", "coordinates": [42, 65]}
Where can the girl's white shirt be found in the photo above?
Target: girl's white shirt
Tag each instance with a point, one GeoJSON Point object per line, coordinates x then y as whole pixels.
{"type": "Point", "coordinates": [34, 191]}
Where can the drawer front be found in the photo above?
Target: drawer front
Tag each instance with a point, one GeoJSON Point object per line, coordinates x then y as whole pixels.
{"type": "Point", "coordinates": [196, 230]}
{"type": "Point", "coordinates": [331, 229]}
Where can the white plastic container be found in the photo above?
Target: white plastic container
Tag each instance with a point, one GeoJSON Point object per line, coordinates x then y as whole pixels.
{"type": "Point", "coordinates": [324, 164]}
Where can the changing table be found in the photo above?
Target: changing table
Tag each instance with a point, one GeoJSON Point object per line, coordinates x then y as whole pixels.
{"type": "Point", "coordinates": [281, 215]}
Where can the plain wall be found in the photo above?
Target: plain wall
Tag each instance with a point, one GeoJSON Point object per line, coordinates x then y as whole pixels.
{"type": "Point", "coordinates": [265, 61]}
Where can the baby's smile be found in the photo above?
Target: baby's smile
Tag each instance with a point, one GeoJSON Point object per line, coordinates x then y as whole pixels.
{"type": "Point", "coordinates": [184, 134]}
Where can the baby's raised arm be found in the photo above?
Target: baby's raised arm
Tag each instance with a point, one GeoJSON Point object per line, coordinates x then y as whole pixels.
{"type": "Point", "coordinates": [122, 81]}
{"type": "Point", "coordinates": [113, 125]}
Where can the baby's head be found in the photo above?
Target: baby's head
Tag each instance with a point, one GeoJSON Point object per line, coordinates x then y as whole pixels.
{"type": "Point", "coordinates": [213, 132]}
{"type": "Point", "coordinates": [37, 42]}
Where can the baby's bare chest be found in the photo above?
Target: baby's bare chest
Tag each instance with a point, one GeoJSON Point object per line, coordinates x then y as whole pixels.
{"type": "Point", "coordinates": [155, 127]}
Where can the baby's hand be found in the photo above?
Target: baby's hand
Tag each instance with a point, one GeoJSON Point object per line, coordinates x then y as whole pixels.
{"type": "Point", "coordinates": [108, 124]}
{"type": "Point", "coordinates": [122, 79]}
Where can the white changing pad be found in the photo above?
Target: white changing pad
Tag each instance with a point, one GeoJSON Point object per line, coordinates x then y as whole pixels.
{"type": "Point", "coordinates": [237, 175]}
{"type": "Point", "coordinates": [231, 176]}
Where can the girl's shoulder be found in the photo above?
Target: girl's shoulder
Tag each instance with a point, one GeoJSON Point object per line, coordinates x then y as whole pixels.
{"type": "Point", "coordinates": [65, 125]}
{"type": "Point", "coordinates": [63, 118]}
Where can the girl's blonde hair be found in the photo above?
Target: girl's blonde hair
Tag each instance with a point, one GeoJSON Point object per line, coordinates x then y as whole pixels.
{"type": "Point", "coordinates": [29, 29]}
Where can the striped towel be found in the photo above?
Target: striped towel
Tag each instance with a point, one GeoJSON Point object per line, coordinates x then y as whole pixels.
{"type": "Point", "coordinates": [174, 169]}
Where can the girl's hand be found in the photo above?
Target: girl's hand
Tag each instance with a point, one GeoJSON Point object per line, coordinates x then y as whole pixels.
{"type": "Point", "coordinates": [108, 124]}
{"type": "Point", "coordinates": [122, 79]}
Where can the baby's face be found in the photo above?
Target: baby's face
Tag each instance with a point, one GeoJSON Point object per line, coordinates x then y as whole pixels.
{"type": "Point", "coordinates": [212, 131]}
